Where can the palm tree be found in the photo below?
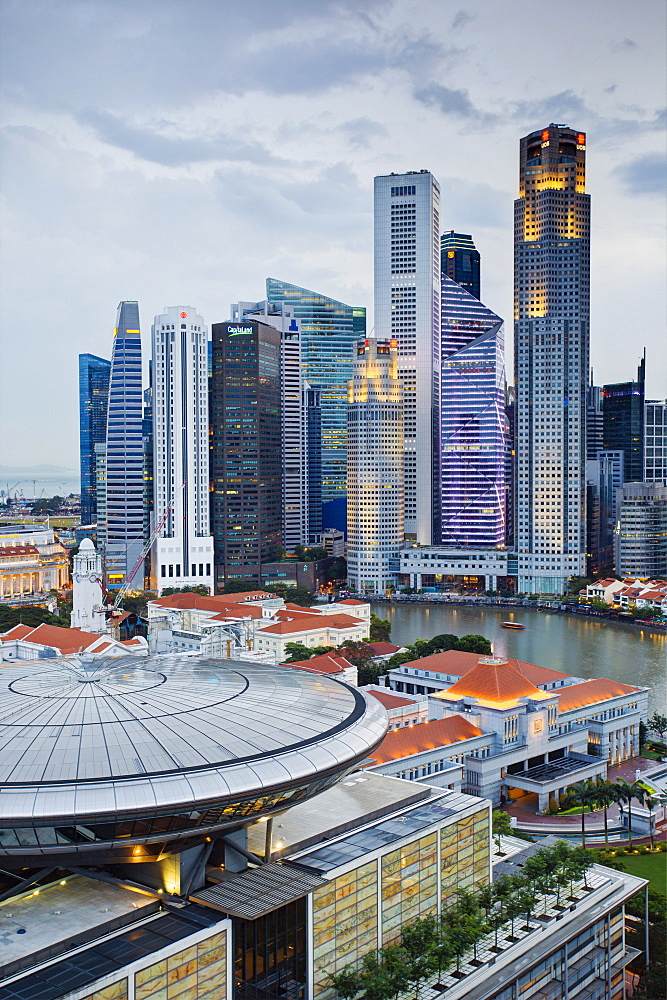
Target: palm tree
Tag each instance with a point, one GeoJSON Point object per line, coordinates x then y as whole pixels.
{"type": "Point", "coordinates": [583, 794]}
{"type": "Point", "coordinates": [627, 791]}
{"type": "Point", "coordinates": [659, 799]}
{"type": "Point", "coordinates": [606, 796]}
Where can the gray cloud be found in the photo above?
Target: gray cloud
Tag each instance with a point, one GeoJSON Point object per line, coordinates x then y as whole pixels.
{"type": "Point", "coordinates": [150, 144]}
{"type": "Point", "coordinates": [360, 131]}
{"type": "Point", "coordinates": [450, 102]}
{"type": "Point", "coordinates": [644, 175]}
{"type": "Point", "coordinates": [627, 45]}
{"type": "Point", "coordinates": [461, 19]}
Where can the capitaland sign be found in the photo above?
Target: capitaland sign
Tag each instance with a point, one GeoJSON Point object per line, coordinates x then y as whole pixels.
{"type": "Point", "coordinates": [239, 331]}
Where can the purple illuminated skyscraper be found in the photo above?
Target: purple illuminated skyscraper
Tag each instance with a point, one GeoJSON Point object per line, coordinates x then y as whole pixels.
{"type": "Point", "coordinates": [473, 422]}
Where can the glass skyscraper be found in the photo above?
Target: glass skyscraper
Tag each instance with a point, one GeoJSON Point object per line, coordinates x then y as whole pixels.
{"type": "Point", "coordinates": [623, 422]}
{"type": "Point", "coordinates": [125, 454]}
{"type": "Point", "coordinates": [93, 401]}
{"type": "Point", "coordinates": [329, 332]}
{"type": "Point", "coordinates": [474, 425]}
{"type": "Point", "coordinates": [460, 261]}
{"type": "Point", "coordinates": [551, 357]}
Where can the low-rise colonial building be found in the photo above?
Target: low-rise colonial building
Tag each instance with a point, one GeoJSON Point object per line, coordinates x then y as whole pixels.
{"type": "Point", "coordinates": [27, 642]}
{"type": "Point", "coordinates": [32, 561]}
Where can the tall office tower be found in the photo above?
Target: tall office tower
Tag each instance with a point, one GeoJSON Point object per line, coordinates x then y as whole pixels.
{"type": "Point", "coordinates": [329, 332]}
{"type": "Point", "coordinates": [312, 404]}
{"type": "Point", "coordinates": [510, 465]}
{"type": "Point", "coordinates": [183, 549]}
{"type": "Point", "coordinates": [101, 496]}
{"type": "Point", "coordinates": [246, 469]}
{"type": "Point", "coordinates": [374, 468]}
{"type": "Point", "coordinates": [460, 261]}
{"type": "Point", "coordinates": [623, 422]}
{"type": "Point", "coordinates": [294, 423]}
{"type": "Point", "coordinates": [604, 476]}
{"type": "Point", "coordinates": [407, 309]}
{"type": "Point", "coordinates": [147, 442]}
{"type": "Point", "coordinates": [474, 426]}
{"type": "Point", "coordinates": [93, 402]}
{"type": "Point", "coordinates": [551, 290]}
{"type": "Point", "coordinates": [655, 441]}
{"type": "Point", "coordinates": [641, 531]}
{"type": "Point", "coordinates": [124, 455]}
{"type": "Point", "coordinates": [594, 420]}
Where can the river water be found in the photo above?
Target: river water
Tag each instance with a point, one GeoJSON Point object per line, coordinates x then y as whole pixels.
{"type": "Point", "coordinates": [585, 647]}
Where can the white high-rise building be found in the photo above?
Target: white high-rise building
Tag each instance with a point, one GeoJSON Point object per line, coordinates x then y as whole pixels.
{"type": "Point", "coordinates": [375, 452]}
{"type": "Point", "coordinates": [655, 441]}
{"type": "Point", "coordinates": [183, 550]}
{"type": "Point", "coordinates": [551, 348]}
{"type": "Point", "coordinates": [407, 309]}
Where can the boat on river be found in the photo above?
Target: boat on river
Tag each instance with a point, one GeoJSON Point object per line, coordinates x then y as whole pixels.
{"type": "Point", "coordinates": [513, 625]}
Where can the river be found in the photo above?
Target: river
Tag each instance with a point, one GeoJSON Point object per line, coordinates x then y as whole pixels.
{"type": "Point", "coordinates": [575, 645]}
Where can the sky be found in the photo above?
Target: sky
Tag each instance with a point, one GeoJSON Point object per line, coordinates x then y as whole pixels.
{"type": "Point", "coordinates": [179, 152]}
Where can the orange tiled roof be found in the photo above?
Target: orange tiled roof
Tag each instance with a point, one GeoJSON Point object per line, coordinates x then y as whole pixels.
{"type": "Point", "coordinates": [590, 692]}
{"type": "Point", "coordinates": [456, 662]}
{"type": "Point", "coordinates": [298, 607]}
{"type": "Point", "coordinates": [351, 600]}
{"type": "Point", "coordinates": [238, 611]}
{"type": "Point", "coordinates": [305, 623]}
{"type": "Point", "coordinates": [247, 595]}
{"type": "Point", "coordinates": [383, 648]}
{"type": "Point", "coordinates": [67, 640]}
{"type": "Point", "coordinates": [392, 700]}
{"type": "Point", "coordinates": [325, 663]}
{"type": "Point", "coordinates": [17, 632]}
{"type": "Point", "coordinates": [426, 736]}
{"type": "Point", "coordinates": [493, 682]}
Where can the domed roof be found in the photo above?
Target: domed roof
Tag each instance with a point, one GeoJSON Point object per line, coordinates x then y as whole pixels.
{"type": "Point", "coordinates": [492, 679]}
{"type": "Point", "coordinates": [83, 738]}
{"type": "Point", "coordinates": [86, 544]}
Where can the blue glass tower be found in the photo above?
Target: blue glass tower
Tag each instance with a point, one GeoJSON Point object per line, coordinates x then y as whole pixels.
{"type": "Point", "coordinates": [93, 400]}
{"type": "Point", "coordinates": [329, 332]}
{"type": "Point", "coordinates": [460, 260]}
{"type": "Point", "coordinates": [125, 454]}
{"type": "Point", "coordinates": [473, 421]}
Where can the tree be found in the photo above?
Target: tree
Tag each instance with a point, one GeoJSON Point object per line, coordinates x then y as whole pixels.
{"type": "Point", "coordinates": [417, 941]}
{"type": "Point", "coordinates": [583, 794]}
{"type": "Point", "coordinates": [196, 589]}
{"type": "Point", "coordinates": [474, 644]}
{"type": "Point", "coordinates": [296, 651]}
{"type": "Point", "coordinates": [500, 825]}
{"type": "Point", "coordinates": [441, 949]}
{"type": "Point", "coordinates": [515, 904]}
{"type": "Point", "coordinates": [357, 653]}
{"type": "Point", "coordinates": [34, 616]}
{"type": "Point", "coordinates": [239, 586]}
{"type": "Point", "coordinates": [380, 629]}
{"type": "Point", "coordinates": [291, 595]}
{"type": "Point", "coordinates": [336, 570]}
{"type": "Point", "coordinates": [577, 583]}
{"type": "Point", "coordinates": [651, 802]}
{"type": "Point", "coordinates": [627, 791]}
{"type": "Point", "coordinates": [606, 796]}
{"type": "Point", "coordinates": [658, 723]}
{"type": "Point", "coordinates": [347, 983]}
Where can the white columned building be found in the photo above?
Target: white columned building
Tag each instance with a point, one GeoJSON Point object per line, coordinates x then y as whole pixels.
{"type": "Point", "coordinates": [87, 594]}
{"type": "Point", "coordinates": [183, 550]}
{"type": "Point", "coordinates": [407, 310]}
{"type": "Point", "coordinates": [374, 468]}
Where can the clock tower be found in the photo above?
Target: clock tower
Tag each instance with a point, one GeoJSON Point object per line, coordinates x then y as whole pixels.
{"type": "Point", "coordinates": [87, 590]}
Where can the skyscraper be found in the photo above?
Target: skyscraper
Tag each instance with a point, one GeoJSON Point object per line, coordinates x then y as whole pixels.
{"type": "Point", "coordinates": [640, 541]}
{"type": "Point", "coordinates": [551, 288]}
{"type": "Point", "coordinates": [374, 468]}
{"type": "Point", "coordinates": [460, 261]}
{"type": "Point", "coordinates": [474, 425]}
{"type": "Point", "coordinates": [623, 422]}
{"type": "Point", "coordinates": [329, 330]}
{"type": "Point", "coordinates": [93, 402]}
{"type": "Point", "coordinates": [655, 441]}
{"type": "Point", "coordinates": [594, 435]}
{"type": "Point", "coordinates": [246, 449]}
{"type": "Point", "coordinates": [407, 309]}
{"type": "Point", "coordinates": [124, 455]}
{"type": "Point", "coordinates": [183, 550]}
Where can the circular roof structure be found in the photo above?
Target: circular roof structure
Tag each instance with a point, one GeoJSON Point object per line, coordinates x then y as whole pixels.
{"type": "Point", "coordinates": [166, 746]}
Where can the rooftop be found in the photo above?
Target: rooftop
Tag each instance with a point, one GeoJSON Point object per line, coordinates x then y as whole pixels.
{"type": "Point", "coordinates": [326, 663]}
{"type": "Point", "coordinates": [492, 680]}
{"type": "Point", "coordinates": [457, 663]}
{"type": "Point", "coordinates": [67, 640]}
{"type": "Point", "coordinates": [590, 692]}
{"type": "Point", "coordinates": [383, 648]}
{"type": "Point", "coordinates": [393, 700]}
{"type": "Point", "coordinates": [426, 736]}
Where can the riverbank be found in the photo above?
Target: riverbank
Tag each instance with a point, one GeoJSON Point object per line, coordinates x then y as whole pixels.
{"type": "Point", "coordinates": [549, 607]}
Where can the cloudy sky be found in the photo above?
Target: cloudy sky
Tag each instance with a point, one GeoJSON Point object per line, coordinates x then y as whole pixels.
{"type": "Point", "coordinates": [181, 151]}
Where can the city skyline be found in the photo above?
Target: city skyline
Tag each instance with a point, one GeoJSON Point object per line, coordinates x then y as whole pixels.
{"type": "Point", "coordinates": [100, 159]}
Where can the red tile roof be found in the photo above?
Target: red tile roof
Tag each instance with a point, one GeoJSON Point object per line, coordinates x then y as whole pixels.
{"type": "Point", "coordinates": [19, 550]}
{"type": "Point", "coordinates": [351, 600]}
{"type": "Point", "coordinates": [298, 607]}
{"type": "Point", "coordinates": [326, 663]}
{"type": "Point", "coordinates": [458, 663]}
{"type": "Point", "coordinates": [383, 648]}
{"type": "Point", "coordinates": [221, 603]}
{"type": "Point", "coordinates": [17, 632]}
{"type": "Point", "coordinates": [67, 640]}
{"type": "Point", "coordinates": [303, 623]}
{"type": "Point", "coordinates": [426, 736]}
{"type": "Point", "coordinates": [493, 681]}
{"type": "Point", "coordinates": [247, 595]}
{"type": "Point", "coordinates": [590, 692]}
{"type": "Point", "coordinates": [393, 700]}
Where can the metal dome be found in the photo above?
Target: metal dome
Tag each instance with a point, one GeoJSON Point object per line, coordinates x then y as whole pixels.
{"type": "Point", "coordinates": [115, 753]}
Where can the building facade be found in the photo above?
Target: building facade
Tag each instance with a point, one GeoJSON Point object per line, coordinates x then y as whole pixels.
{"type": "Point", "coordinates": [551, 290]}
{"type": "Point", "coordinates": [474, 426]}
{"type": "Point", "coordinates": [594, 420]}
{"type": "Point", "coordinates": [93, 402]}
{"type": "Point", "coordinates": [329, 331]}
{"type": "Point", "coordinates": [623, 423]}
{"type": "Point", "coordinates": [246, 447]}
{"type": "Point", "coordinates": [407, 310]}
{"type": "Point", "coordinates": [655, 441]}
{"type": "Point", "coordinates": [124, 462]}
{"type": "Point", "coordinates": [32, 560]}
{"type": "Point", "coordinates": [182, 552]}
{"type": "Point", "coordinates": [87, 595]}
{"type": "Point", "coordinates": [460, 261]}
{"type": "Point", "coordinates": [640, 541]}
{"type": "Point", "coordinates": [374, 468]}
